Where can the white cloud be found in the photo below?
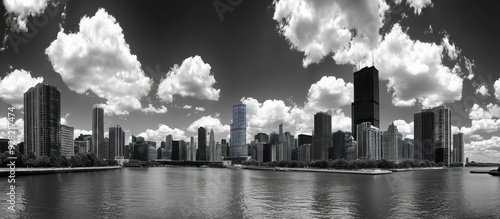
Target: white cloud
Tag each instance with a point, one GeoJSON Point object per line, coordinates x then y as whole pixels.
{"type": "Point", "coordinates": [15, 84]}
{"type": "Point", "coordinates": [187, 107]}
{"type": "Point", "coordinates": [452, 50]}
{"type": "Point", "coordinates": [330, 93]}
{"type": "Point", "coordinates": [191, 79]}
{"type": "Point", "coordinates": [321, 28]}
{"type": "Point", "coordinates": [18, 12]}
{"type": "Point", "coordinates": [97, 59]}
{"type": "Point", "coordinates": [77, 132]}
{"type": "Point", "coordinates": [201, 109]}
{"type": "Point", "coordinates": [418, 5]}
{"type": "Point", "coordinates": [152, 109]}
{"type": "Point", "coordinates": [482, 90]}
{"type": "Point", "coordinates": [18, 127]}
{"type": "Point", "coordinates": [406, 129]}
{"type": "Point", "coordinates": [497, 89]}
{"type": "Point", "coordinates": [209, 122]}
{"type": "Point", "coordinates": [487, 150]}
{"type": "Point", "coordinates": [160, 133]}
{"type": "Point", "coordinates": [63, 119]}
{"type": "Point", "coordinates": [415, 71]}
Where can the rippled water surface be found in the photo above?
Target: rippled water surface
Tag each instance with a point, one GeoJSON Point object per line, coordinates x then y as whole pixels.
{"type": "Point", "coordinates": [223, 193]}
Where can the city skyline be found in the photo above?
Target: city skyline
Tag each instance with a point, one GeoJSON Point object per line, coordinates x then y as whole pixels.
{"type": "Point", "coordinates": [256, 68]}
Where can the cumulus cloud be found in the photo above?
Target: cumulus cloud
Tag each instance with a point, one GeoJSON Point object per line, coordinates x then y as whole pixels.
{"type": "Point", "coordinates": [485, 120]}
{"type": "Point", "coordinates": [496, 86]}
{"type": "Point", "coordinates": [450, 48]}
{"type": "Point", "coordinates": [406, 129]}
{"type": "Point", "coordinates": [415, 71]}
{"type": "Point", "coordinates": [418, 5]}
{"type": "Point", "coordinates": [151, 109]}
{"type": "Point", "coordinates": [191, 79]}
{"type": "Point", "coordinates": [330, 93]}
{"type": "Point", "coordinates": [485, 150]}
{"type": "Point", "coordinates": [161, 132]}
{"type": "Point", "coordinates": [201, 109]}
{"type": "Point", "coordinates": [209, 122]}
{"type": "Point", "coordinates": [482, 90]}
{"type": "Point", "coordinates": [18, 127]}
{"type": "Point", "coordinates": [187, 107]}
{"type": "Point", "coordinates": [18, 12]}
{"type": "Point", "coordinates": [321, 28]}
{"type": "Point", "coordinates": [63, 119]}
{"type": "Point", "coordinates": [77, 132]}
{"type": "Point", "coordinates": [15, 84]}
{"type": "Point", "coordinates": [97, 59]}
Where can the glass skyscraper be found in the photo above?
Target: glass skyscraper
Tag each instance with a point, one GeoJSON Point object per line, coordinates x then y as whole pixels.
{"type": "Point", "coordinates": [238, 132]}
{"type": "Point", "coordinates": [322, 136]}
{"type": "Point", "coordinates": [42, 118]}
{"type": "Point", "coordinates": [365, 107]}
{"type": "Point", "coordinates": [98, 131]}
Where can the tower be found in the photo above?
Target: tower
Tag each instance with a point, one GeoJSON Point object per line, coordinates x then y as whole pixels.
{"type": "Point", "coordinates": [98, 131]}
{"type": "Point", "coordinates": [322, 137]}
{"type": "Point", "coordinates": [202, 144]}
{"type": "Point", "coordinates": [365, 107]}
{"type": "Point", "coordinates": [42, 118]}
{"type": "Point", "coordinates": [238, 132]}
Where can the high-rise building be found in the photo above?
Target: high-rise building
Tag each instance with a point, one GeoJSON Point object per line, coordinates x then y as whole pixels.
{"type": "Point", "coordinates": [67, 142]}
{"type": "Point", "coordinates": [193, 148]}
{"type": "Point", "coordinates": [269, 153]}
{"type": "Point", "coordinates": [369, 142]}
{"type": "Point", "coordinates": [225, 148]}
{"type": "Point", "coordinates": [211, 145]}
{"type": "Point", "coordinates": [98, 131]}
{"type": "Point", "coordinates": [238, 132]}
{"type": "Point", "coordinates": [458, 147]}
{"type": "Point", "coordinates": [338, 144]}
{"type": "Point", "coordinates": [42, 118]}
{"type": "Point", "coordinates": [322, 137]}
{"type": "Point", "coordinates": [442, 133]}
{"type": "Point", "coordinates": [168, 146]}
{"type": "Point", "coordinates": [201, 153]}
{"type": "Point", "coordinates": [423, 126]}
{"type": "Point", "coordinates": [304, 152]}
{"type": "Point", "coordinates": [365, 107]}
{"type": "Point", "coordinates": [262, 137]}
{"type": "Point", "coordinates": [289, 146]}
{"type": "Point", "coordinates": [105, 144]}
{"type": "Point", "coordinates": [351, 148]}
{"type": "Point", "coordinates": [218, 152]}
{"type": "Point", "coordinates": [280, 146]}
{"type": "Point", "coordinates": [304, 139]}
{"type": "Point", "coordinates": [408, 149]}
{"type": "Point", "coordinates": [392, 144]}
{"type": "Point", "coordinates": [116, 141]}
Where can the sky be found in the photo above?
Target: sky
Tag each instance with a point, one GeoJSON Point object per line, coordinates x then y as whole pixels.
{"type": "Point", "coordinates": [169, 67]}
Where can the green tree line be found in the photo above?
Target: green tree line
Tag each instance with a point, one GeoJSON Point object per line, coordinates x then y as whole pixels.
{"type": "Point", "coordinates": [79, 160]}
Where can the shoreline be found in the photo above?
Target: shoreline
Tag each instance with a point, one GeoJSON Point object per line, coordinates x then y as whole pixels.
{"type": "Point", "coordinates": [374, 171]}
{"type": "Point", "coordinates": [53, 170]}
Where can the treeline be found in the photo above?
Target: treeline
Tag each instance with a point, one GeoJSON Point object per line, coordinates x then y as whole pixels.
{"type": "Point", "coordinates": [349, 164]}
{"type": "Point", "coordinates": [79, 160]}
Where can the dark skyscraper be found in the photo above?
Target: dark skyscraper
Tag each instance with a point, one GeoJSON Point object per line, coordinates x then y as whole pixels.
{"type": "Point", "coordinates": [201, 154]}
{"type": "Point", "coordinates": [365, 107]}
{"type": "Point", "coordinates": [424, 135]}
{"type": "Point", "coordinates": [458, 148]}
{"type": "Point", "coordinates": [322, 136]}
{"type": "Point", "coordinates": [116, 141]}
{"type": "Point", "coordinates": [304, 139]}
{"type": "Point", "coordinates": [42, 118]}
{"type": "Point", "coordinates": [339, 149]}
{"type": "Point", "coordinates": [98, 131]}
{"type": "Point", "coordinates": [262, 137]}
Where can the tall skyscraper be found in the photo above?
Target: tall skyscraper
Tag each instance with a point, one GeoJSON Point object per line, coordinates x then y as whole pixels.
{"type": "Point", "coordinates": [369, 142]}
{"type": "Point", "coordinates": [116, 141]}
{"type": "Point", "coordinates": [392, 144]}
{"type": "Point", "coordinates": [289, 146]}
{"type": "Point", "coordinates": [98, 131]}
{"type": "Point", "coordinates": [423, 126]}
{"type": "Point", "coordinates": [322, 137]}
{"type": "Point", "coordinates": [42, 118]}
{"type": "Point", "coordinates": [238, 132]}
{"type": "Point", "coordinates": [365, 107]}
{"type": "Point", "coordinates": [279, 148]}
{"type": "Point", "coordinates": [168, 146]}
{"type": "Point", "coordinates": [458, 147]}
{"type": "Point", "coordinates": [193, 148]}
{"type": "Point", "coordinates": [67, 142]}
{"type": "Point", "coordinates": [304, 139]}
{"type": "Point", "coordinates": [408, 149]}
{"type": "Point", "coordinates": [442, 133]}
{"type": "Point", "coordinates": [338, 144]}
{"type": "Point", "coordinates": [201, 153]}
{"type": "Point", "coordinates": [211, 145]}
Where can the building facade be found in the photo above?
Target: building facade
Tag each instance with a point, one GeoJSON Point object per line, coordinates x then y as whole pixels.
{"type": "Point", "coordinates": [338, 144]}
{"type": "Point", "coordinates": [322, 136]}
{"type": "Point", "coordinates": [116, 141]}
{"type": "Point", "coordinates": [42, 118]}
{"type": "Point", "coordinates": [392, 144]}
{"type": "Point", "coordinates": [98, 131]}
{"type": "Point", "coordinates": [67, 142]}
{"type": "Point", "coordinates": [423, 126]}
{"type": "Point", "coordinates": [201, 153]}
{"type": "Point", "coordinates": [365, 107]}
{"type": "Point", "coordinates": [458, 148]}
{"type": "Point", "coordinates": [238, 132]}
{"type": "Point", "coordinates": [369, 142]}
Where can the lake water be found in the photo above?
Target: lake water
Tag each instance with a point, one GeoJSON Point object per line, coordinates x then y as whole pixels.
{"type": "Point", "coordinates": [184, 192]}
